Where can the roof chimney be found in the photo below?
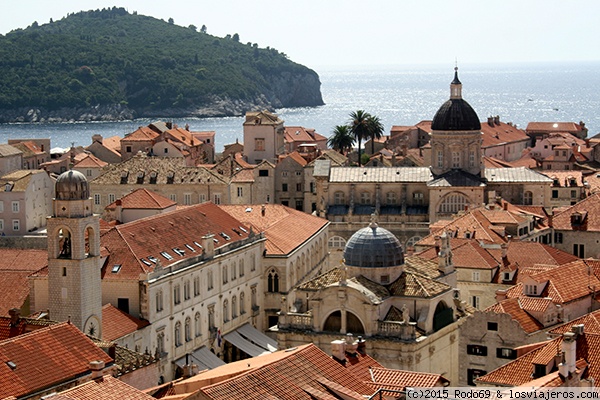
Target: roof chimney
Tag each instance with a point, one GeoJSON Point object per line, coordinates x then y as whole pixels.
{"type": "Point", "coordinates": [569, 347]}
{"type": "Point", "coordinates": [208, 245]}
{"type": "Point", "coordinates": [338, 350]}
{"type": "Point", "coordinates": [362, 347]}
{"type": "Point", "coordinates": [263, 210]}
{"type": "Point", "coordinates": [15, 315]}
{"type": "Point", "coordinates": [497, 120]}
{"type": "Point", "coordinates": [500, 295]}
{"type": "Point", "coordinates": [96, 367]}
{"type": "Point", "coordinates": [491, 121]}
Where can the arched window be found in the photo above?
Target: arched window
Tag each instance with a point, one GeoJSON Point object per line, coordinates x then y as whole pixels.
{"type": "Point", "coordinates": [234, 271]}
{"type": "Point", "coordinates": [273, 282]}
{"type": "Point", "coordinates": [160, 343]}
{"type": "Point", "coordinates": [233, 307]}
{"type": "Point", "coordinates": [177, 334]}
{"type": "Point", "coordinates": [197, 325]}
{"type": "Point", "coordinates": [527, 198]}
{"type": "Point", "coordinates": [225, 310]}
{"type": "Point", "coordinates": [336, 243]}
{"type": "Point", "coordinates": [453, 203]}
{"type": "Point", "coordinates": [339, 198]}
{"type": "Point", "coordinates": [242, 272]}
{"type": "Point", "coordinates": [456, 159]}
{"type": "Point", "coordinates": [225, 274]}
{"type": "Point", "coordinates": [242, 304]}
{"type": "Point", "coordinates": [188, 329]}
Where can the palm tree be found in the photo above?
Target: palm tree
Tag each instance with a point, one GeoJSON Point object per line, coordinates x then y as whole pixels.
{"type": "Point", "coordinates": [359, 127]}
{"type": "Point", "coordinates": [341, 140]}
{"type": "Point", "coordinates": [376, 130]}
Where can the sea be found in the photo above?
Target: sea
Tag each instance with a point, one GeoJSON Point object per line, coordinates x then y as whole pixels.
{"type": "Point", "coordinates": [398, 95]}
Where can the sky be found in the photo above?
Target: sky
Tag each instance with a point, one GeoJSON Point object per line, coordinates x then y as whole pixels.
{"type": "Point", "coordinates": [322, 33]}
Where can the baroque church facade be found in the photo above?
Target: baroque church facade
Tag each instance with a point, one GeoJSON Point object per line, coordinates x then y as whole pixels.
{"type": "Point", "coordinates": [408, 199]}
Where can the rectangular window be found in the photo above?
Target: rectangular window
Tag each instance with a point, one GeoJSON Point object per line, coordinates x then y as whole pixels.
{"type": "Point", "coordinates": [472, 158]}
{"type": "Point", "coordinates": [504, 352]}
{"type": "Point", "coordinates": [476, 350]}
{"type": "Point", "coordinates": [263, 172]}
{"type": "Point", "coordinates": [259, 144]}
{"type": "Point", "coordinates": [16, 225]}
{"type": "Point", "coordinates": [573, 194]}
{"type": "Point", "coordinates": [492, 326]}
{"type": "Point", "coordinates": [455, 159]}
{"type": "Point", "coordinates": [1, 225]}
{"type": "Point", "coordinates": [240, 192]}
{"type": "Point", "coordinates": [176, 294]}
{"type": "Point", "coordinates": [123, 305]}
{"type": "Point", "coordinates": [440, 159]}
{"type": "Point", "coordinates": [88, 172]}
{"type": "Point", "coordinates": [173, 197]}
{"type": "Point", "coordinates": [209, 280]}
{"type": "Point", "coordinates": [217, 198]}
{"type": "Point", "coordinates": [128, 149]}
{"type": "Point", "coordinates": [1, 206]}
{"type": "Point", "coordinates": [159, 301]}
{"type": "Point", "coordinates": [196, 286]}
{"type": "Point", "coordinates": [558, 237]}
{"type": "Point", "coordinates": [15, 206]}
{"type": "Point", "coordinates": [202, 198]}
{"type": "Point", "coordinates": [313, 188]}
{"type": "Point", "coordinates": [186, 290]}
{"type": "Point", "coordinates": [475, 301]}
{"type": "Point", "coordinates": [111, 198]}
{"type": "Point", "coordinates": [476, 276]}
{"type": "Point", "coordinates": [284, 187]}
{"type": "Point", "coordinates": [187, 198]}
{"type": "Point", "coordinates": [555, 194]}
{"type": "Point", "coordinates": [298, 173]}
{"type": "Point", "coordinates": [473, 374]}
{"type": "Point", "coordinates": [97, 199]}
{"type": "Point", "coordinates": [299, 205]}
{"type": "Point", "coordinates": [579, 250]}
{"type": "Point", "coordinates": [298, 187]}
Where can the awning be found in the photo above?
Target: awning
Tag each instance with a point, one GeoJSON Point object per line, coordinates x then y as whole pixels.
{"type": "Point", "coordinates": [257, 337]}
{"type": "Point", "coordinates": [243, 344]}
{"type": "Point", "coordinates": [203, 358]}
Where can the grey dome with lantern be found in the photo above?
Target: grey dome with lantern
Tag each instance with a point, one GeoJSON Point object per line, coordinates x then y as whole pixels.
{"type": "Point", "coordinates": [373, 247]}
{"type": "Point", "coordinates": [72, 185]}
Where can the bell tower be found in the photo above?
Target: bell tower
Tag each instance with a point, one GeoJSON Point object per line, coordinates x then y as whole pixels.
{"type": "Point", "coordinates": [74, 265]}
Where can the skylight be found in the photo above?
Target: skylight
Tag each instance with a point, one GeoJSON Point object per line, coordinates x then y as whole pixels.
{"type": "Point", "coordinates": [148, 263]}
{"type": "Point", "coordinates": [215, 240]}
{"type": "Point", "coordinates": [166, 255]}
{"type": "Point", "coordinates": [116, 268]}
{"type": "Point", "coordinates": [225, 236]}
{"type": "Point", "coordinates": [198, 244]}
{"type": "Point", "coordinates": [190, 247]}
{"type": "Point", "coordinates": [178, 251]}
{"type": "Point", "coordinates": [153, 259]}
{"type": "Point", "coordinates": [243, 229]}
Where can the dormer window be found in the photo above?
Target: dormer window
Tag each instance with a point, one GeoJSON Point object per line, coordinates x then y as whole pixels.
{"type": "Point", "coordinates": [153, 176]}
{"type": "Point", "coordinates": [140, 177]}
{"type": "Point", "coordinates": [555, 181]}
{"type": "Point", "coordinates": [124, 176]}
{"type": "Point", "coordinates": [170, 177]}
{"type": "Point", "coordinates": [531, 290]}
{"type": "Point", "coordinates": [576, 218]}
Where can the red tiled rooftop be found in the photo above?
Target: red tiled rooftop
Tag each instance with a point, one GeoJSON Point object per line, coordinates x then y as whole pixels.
{"type": "Point", "coordinates": [15, 266]}
{"type": "Point", "coordinates": [591, 223]}
{"type": "Point", "coordinates": [284, 228]}
{"type": "Point", "coordinates": [142, 199]}
{"type": "Point", "coordinates": [143, 133]}
{"type": "Point", "coordinates": [46, 357]}
{"type": "Point", "coordinates": [90, 161]}
{"type": "Point", "coordinates": [105, 388]}
{"type": "Point", "coordinates": [117, 323]}
{"type": "Point", "coordinates": [514, 309]}
{"type": "Point", "coordinates": [553, 127]}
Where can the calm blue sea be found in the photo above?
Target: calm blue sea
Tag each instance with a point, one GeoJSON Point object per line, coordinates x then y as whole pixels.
{"type": "Point", "coordinates": [402, 95]}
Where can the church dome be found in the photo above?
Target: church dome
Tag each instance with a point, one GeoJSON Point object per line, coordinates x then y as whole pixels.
{"type": "Point", "coordinates": [72, 185]}
{"type": "Point", "coordinates": [456, 114]}
{"type": "Point", "coordinates": [373, 247]}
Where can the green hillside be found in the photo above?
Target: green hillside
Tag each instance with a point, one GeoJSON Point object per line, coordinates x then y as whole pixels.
{"type": "Point", "coordinates": [111, 57]}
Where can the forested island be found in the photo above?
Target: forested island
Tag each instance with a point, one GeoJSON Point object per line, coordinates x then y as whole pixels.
{"type": "Point", "coordinates": [113, 65]}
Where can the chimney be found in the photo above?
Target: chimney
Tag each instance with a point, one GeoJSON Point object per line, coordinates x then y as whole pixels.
{"type": "Point", "coordinates": [569, 347]}
{"type": "Point", "coordinates": [491, 121]}
{"type": "Point", "coordinates": [504, 248]}
{"type": "Point", "coordinates": [497, 120]}
{"type": "Point", "coordinates": [338, 350]}
{"type": "Point", "coordinates": [505, 206]}
{"type": "Point", "coordinates": [112, 351]}
{"type": "Point", "coordinates": [119, 210]}
{"type": "Point", "coordinates": [362, 346]}
{"type": "Point", "coordinates": [263, 210]}
{"type": "Point", "coordinates": [208, 245]}
{"type": "Point", "coordinates": [587, 143]}
{"type": "Point", "coordinates": [97, 138]}
{"type": "Point", "coordinates": [96, 367]}
{"type": "Point", "coordinates": [500, 295]}
{"type": "Point", "coordinates": [15, 315]}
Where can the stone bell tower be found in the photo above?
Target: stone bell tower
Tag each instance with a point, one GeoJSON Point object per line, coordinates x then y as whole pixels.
{"type": "Point", "coordinates": [74, 276]}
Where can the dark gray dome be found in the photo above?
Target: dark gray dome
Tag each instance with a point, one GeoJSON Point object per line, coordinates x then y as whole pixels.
{"type": "Point", "coordinates": [456, 115]}
{"type": "Point", "coordinates": [72, 185]}
{"type": "Point", "coordinates": [373, 247]}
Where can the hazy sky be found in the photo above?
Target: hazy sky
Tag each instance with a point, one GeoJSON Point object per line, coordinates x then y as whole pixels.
{"type": "Point", "coordinates": [321, 33]}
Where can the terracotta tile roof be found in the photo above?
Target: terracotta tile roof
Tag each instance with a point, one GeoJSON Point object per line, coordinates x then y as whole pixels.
{"type": "Point", "coordinates": [591, 321]}
{"type": "Point", "coordinates": [299, 134]}
{"type": "Point", "coordinates": [29, 148]}
{"type": "Point", "coordinates": [263, 117]}
{"type": "Point", "coordinates": [162, 166]}
{"type": "Point", "coordinates": [288, 374]}
{"type": "Point", "coordinates": [7, 150]}
{"type": "Point", "coordinates": [284, 227]}
{"type": "Point", "coordinates": [591, 223]}
{"type": "Point", "coordinates": [500, 133]}
{"type": "Point", "coordinates": [491, 162]}
{"type": "Point", "coordinates": [553, 127]}
{"type": "Point", "coordinates": [243, 176]}
{"type": "Point", "coordinates": [141, 134]}
{"type": "Point", "coordinates": [336, 158]}
{"type": "Point", "coordinates": [142, 199]}
{"type": "Point", "coordinates": [563, 178]}
{"type": "Point", "coordinates": [514, 309]}
{"type": "Point", "coordinates": [129, 243]}
{"type": "Point", "coordinates": [399, 379]}
{"type": "Point", "coordinates": [117, 323]}
{"type": "Point", "coordinates": [113, 143]}
{"type": "Point", "coordinates": [567, 283]}
{"type": "Point", "coordinates": [519, 371]}
{"type": "Point", "coordinates": [20, 179]}
{"type": "Point", "coordinates": [23, 325]}
{"type": "Point", "coordinates": [61, 351]}
{"type": "Point", "coordinates": [534, 304]}
{"type": "Point", "coordinates": [90, 161]}
{"type": "Point", "coordinates": [105, 388]}
{"type": "Point", "coordinates": [296, 157]}
{"type": "Point", "coordinates": [15, 266]}
{"type": "Point", "coordinates": [182, 136]}
{"type": "Point", "coordinates": [416, 285]}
